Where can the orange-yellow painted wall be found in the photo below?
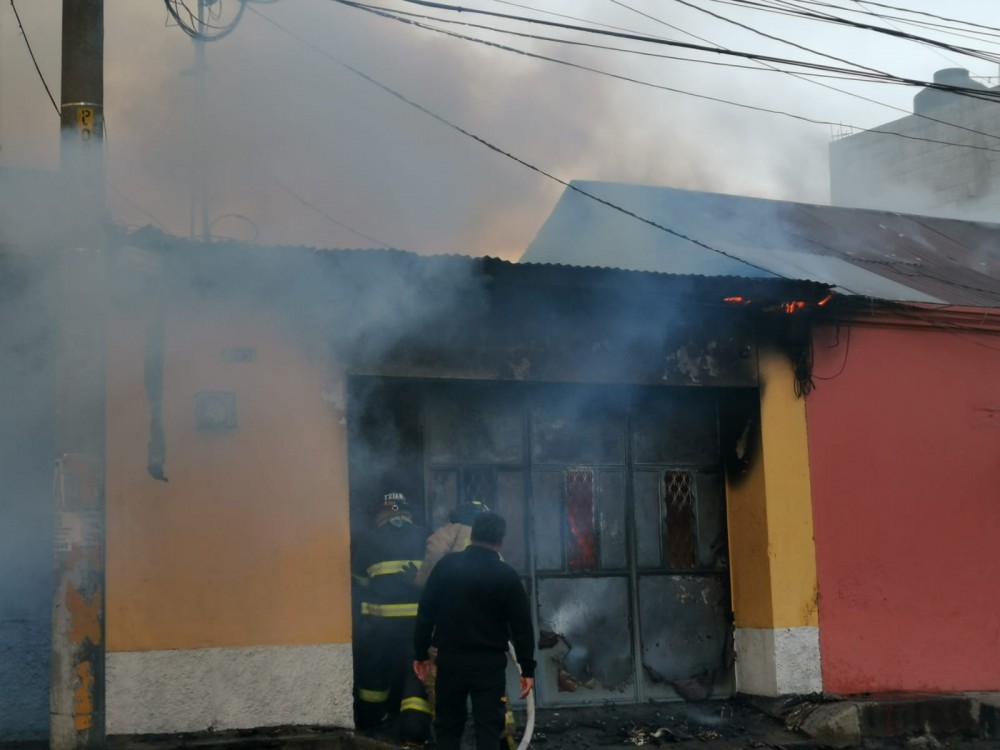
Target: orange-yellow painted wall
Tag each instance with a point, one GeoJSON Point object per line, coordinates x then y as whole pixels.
{"type": "Point", "coordinates": [772, 549]}
{"type": "Point", "coordinates": [248, 542]}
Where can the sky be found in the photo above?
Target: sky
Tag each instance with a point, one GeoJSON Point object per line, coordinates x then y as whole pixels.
{"type": "Point", "coordinates": [298, 146]}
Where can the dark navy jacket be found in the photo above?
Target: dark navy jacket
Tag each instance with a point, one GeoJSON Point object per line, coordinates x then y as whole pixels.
{"type": "Point", "coordinates": [474, 603]}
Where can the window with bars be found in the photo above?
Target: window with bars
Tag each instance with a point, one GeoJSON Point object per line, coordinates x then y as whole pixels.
{"type": "Point", "coordinates": [581, 537]}
{"type": "Point", "coordinates": [680, 533]}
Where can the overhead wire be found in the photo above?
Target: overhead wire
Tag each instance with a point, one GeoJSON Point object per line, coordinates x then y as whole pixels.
{"type": "Point", "coordinates": [986, 29]}
{"type": "Point", "coordinates": [981, 37]}
{"type": "Point", "coordinates": [885, 19]}
{"type": "Point", "coordinates": [34, 61]}
{"type": "Point", "coordinates": [568, 185]}
{"type": "Point", "coordinates": [837, 20]}
{"type": "Point", "coordinates": [328, 216]}
{"type": "Point", "coordinates": [107, 180]}
{"type": "Point", "coordinates": [812, 80]}
{"type": "Point", "coordinates": [856, 73]}
{"type": "Point", "coordinates": [772, 37]}
{"type": "Point", "coordinates": [404, 17]}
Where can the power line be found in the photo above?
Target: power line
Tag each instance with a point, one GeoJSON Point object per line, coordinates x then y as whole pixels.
{"type": "Point", "coordinates": [405, 17]}
{"type": "Point", "coordinates": [482, 141]}
{"type": "Point", "coordinates": [319, 210]}
{"type": "Point", "coordinates": [808, 79]}
{"type": "Point", "coordinates": [31, 52]}
{"type": "Point", "coordinates": [771, 36]}
{"type": "Point", "coordinates": [858, 74]}
{"type": "Point", "coordinates": [836, 20]}
{"type": "Point", "coordinates": [987, 30]}
{"type": "Point", "coordinates": [408, 19]}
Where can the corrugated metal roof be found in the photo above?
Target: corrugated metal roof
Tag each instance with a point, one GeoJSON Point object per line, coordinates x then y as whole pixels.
{"type": "Point", "coordinates": [215, 258]}
{"type": "Point", "coordinates": [871, 253]}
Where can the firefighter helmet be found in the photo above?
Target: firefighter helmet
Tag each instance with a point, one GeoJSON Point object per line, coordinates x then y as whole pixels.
{"type": "Point", "coordinates": [396, 502]}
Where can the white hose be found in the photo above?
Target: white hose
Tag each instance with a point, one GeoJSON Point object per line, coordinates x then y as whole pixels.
{"type": "Point", "coordinates": [529, 726]}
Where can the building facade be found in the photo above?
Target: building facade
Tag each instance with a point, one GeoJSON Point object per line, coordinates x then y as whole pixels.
{"type": "Point", "coordinates": [642, 436]}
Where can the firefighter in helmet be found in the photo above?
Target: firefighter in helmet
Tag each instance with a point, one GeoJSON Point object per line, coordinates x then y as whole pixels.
{"type": "Point", "coordinates": [385, 564]}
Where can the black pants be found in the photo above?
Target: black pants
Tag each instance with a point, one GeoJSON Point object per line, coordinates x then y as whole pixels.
{"type": "Point", "coordinates": [481, 677]}
{"type": "Point", "coordinates": [384, 657]}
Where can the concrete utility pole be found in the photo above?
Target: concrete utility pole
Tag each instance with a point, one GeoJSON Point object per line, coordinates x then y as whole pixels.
{"type": "Point", "coordinates": [199, 196]}
{"type": "Point", "coordinates": [81, 305]}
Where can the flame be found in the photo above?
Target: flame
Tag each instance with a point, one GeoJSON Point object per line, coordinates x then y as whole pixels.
{"type": "Point", "coordinates": [826, 299]}
{"type": "Point", "coordinates": [791, 307]}
{"type": "Point", "coordinates": [736, 300]}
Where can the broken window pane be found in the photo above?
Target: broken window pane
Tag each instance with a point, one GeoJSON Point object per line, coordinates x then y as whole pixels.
{"type": "Point", "coordinates": [679, 528]}
{"type": "Point", "coordinates": [581, 536]}
{"type": "Point", "coordinates": [611, 501]}
{"type": "Point", "coordinates": [585, 646]}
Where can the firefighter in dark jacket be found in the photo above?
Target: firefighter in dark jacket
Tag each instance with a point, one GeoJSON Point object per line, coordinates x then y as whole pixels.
{"type": "Point", "coordinates": [385, 564]}
{"type": "Point", "coordinates": [472, 606]}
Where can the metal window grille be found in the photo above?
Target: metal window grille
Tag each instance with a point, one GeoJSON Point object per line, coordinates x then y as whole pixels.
{"type": "Point", "coordinates": [679, 531]}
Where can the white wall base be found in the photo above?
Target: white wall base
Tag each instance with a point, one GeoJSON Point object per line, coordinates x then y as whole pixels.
{"type": "Point", "coordinates": [150, 692]}
{"type": "Point", "coordinates": [778, 661]}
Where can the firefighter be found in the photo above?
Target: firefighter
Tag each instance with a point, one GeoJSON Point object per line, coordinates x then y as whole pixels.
{"type": "Point", "coordinates": [454, 536]}
{"type": "Point", "coordinates": [385, 565]}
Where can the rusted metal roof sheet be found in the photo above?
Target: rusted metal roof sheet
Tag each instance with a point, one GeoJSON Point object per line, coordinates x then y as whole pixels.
{"type": "Point", "coordinates": [870, 253]}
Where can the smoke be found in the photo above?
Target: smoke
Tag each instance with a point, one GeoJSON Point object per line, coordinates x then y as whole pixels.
{"type": "Point", "coordinates": [279, 114]}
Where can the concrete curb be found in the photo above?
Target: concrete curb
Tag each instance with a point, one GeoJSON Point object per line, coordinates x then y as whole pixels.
{"type": "Point", "coordinates": [841, 722]}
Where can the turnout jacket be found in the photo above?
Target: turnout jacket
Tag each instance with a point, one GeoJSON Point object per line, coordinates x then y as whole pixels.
{"type": "Point", "coordinates": [452, 537]}
{"type": "Point", "coordinates": [385, 563]}
{"type": "Point", "coordinates": [473, 603]}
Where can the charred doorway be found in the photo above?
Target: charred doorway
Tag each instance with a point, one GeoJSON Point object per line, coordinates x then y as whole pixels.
{"type": "Point", "coordinates": [615, 505]}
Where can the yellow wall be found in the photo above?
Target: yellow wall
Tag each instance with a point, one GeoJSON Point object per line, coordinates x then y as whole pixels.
{"type": "Point", "coordinates": [248, 542]}
{"type": "Point", "coordinates": [772, 550]}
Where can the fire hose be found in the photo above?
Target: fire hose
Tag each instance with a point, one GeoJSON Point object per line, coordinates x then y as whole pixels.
{"type": "Point", "coordinates": [529, 726]}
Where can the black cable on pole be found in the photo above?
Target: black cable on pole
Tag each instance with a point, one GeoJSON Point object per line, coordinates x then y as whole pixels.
{"type": "Point", "coordinates": [199, 31]}
{"type": "Point", "coordinates": [31, 52]}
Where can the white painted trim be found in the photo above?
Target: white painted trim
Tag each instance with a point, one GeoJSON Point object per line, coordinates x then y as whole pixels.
{"type": "Point", "coordinates": [153, 692]}
{"type": "Point", "coordinates": [778, 661]}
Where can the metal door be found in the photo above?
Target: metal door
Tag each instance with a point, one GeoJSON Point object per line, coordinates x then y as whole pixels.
{"type": "Point", "coordinates": [615, 510]}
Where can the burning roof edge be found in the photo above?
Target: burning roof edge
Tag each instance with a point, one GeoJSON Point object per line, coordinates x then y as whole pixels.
{"type": "Point", "coordinates": [142, 249]}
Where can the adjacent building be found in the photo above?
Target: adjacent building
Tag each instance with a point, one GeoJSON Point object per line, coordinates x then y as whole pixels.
{"type": "Point", "coordinates": [942, 160]}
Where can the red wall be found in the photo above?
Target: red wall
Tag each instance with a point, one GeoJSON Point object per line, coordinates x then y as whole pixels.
{"type": "Point", "coordinates": [904, 448]}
